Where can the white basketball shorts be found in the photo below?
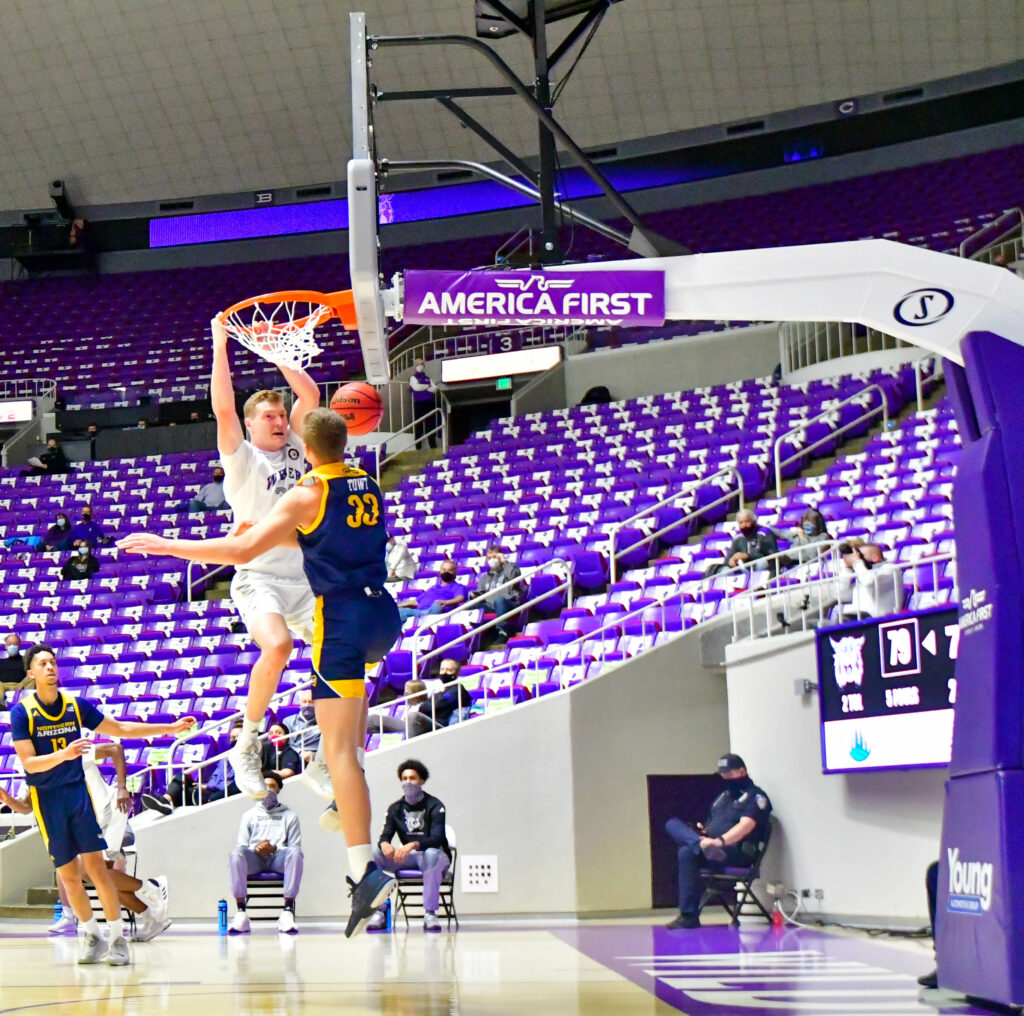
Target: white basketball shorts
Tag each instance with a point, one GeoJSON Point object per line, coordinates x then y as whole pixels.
{"type": "Point", "coordinates": [255, 593]}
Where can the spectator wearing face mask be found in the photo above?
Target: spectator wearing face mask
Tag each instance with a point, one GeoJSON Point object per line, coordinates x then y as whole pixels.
{"type": "Point", "coordinates": [752, 543]}
{"type": "Point", "coordinates": [418, 820]}
{"type": "Point", "coordinates": [58, 536]}
{"type": "Point", "coordinates": [305, 733]}
{"type": "Point", "coordinates": [51, 462]}
{"type": "Point", "coordinates": [88, 531]}
{"type": "Point", "coordinates": [422, 389]}
{"type": "Point", "coordinates": [401, 567]}
{"type": "Point", "coordinates": [12, 666]}
{"type": "Point", "coordinates": [445, 595]}
{"type": "Point", "coordinates": [269, 840]}
{"type": "Point", "coordinates": [210, 497]}
{"type": "Point", "coordinates": [285, 759]}
{"type": "Point", "coordinates": [81, 564]}
{"type": "Point", "coordinates": [499, 571]}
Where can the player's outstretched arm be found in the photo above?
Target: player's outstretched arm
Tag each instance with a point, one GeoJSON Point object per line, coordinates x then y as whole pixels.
{"type": "Point", "coordinates": [122, 728]}
{"type": "Point", "coordinates": [298, 507]}
{"type": "Point", "coordinates": [307, 396]}
{"type": "Point", "coordinates": [222, 394]}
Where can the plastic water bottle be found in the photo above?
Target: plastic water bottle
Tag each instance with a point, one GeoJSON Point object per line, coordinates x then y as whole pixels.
{"type": "Point", "coordinates": [387, 915]}
{"type": "Point", "coordinates": [222, 916]}
{"type": "Point", "coordinates": [58, 912]}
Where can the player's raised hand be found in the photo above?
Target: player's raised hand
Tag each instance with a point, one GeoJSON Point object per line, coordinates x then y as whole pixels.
{"type": "Point", "coordinates": [142, 543]}
{"type": "Point", "coordinates": [77, 748]}
{"type": "Point", "coordinates": [219, 333]}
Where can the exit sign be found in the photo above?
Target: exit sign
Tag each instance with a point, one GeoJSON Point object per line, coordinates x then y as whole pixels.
{"type": "Point", "coordinates": [503, 384]}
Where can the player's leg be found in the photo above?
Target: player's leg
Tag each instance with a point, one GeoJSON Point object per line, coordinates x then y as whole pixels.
{"type": "Point", "coordinates": [342, 725]}
{"type": "Point", "coordinates": [70, 876]}
{"type": "Point", "coordinates": [271, 635]}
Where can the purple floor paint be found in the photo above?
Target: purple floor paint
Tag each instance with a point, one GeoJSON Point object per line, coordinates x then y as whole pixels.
{"type": "Point", "coordinates": [765, 971]}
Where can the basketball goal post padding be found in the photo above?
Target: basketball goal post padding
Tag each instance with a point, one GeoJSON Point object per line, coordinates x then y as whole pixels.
{"type": "Point", "coordinates": [973, 315]}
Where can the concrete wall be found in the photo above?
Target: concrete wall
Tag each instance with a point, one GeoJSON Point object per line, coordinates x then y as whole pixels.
{"type": "Point", "coordinates": [24, 863]}
{"type": "Point", "coordinates": [546, 392]}
{"type": "Point", "coordinates": [863, 838]}
{"type": "Point", "coordinates": [676, 365]}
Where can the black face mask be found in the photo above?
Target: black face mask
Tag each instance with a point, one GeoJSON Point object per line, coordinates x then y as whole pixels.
{"type": "Point", "coordinates": [749, 531]}
{"type": "Point", "coordinates": [447, 576]}
{"type": "Point", "coordinates": [739, 785]}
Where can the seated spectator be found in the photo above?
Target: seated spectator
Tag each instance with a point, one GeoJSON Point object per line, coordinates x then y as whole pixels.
{"type": "Point", "coordinates": [414, 722]}
{"type": "Point", "coordinates": [143, 424]}
{"type": "Point", "coordinates": [752, 543]}
{"type": "Point", "coordinates": [417, 819]}
{"type": "Point", "coordinates": [269, 840]}
{"type": "Point", "coordinates": [877, 586]}
{"type": "Point", "coordinates": [284, 757]}
{"type": "Point", "coordinates": [216, 781]}
{"type": "Point", "coordinates": [804, 537]}
{"type": "Point", "coordinates": [446, 594]}
{"type": "Point", "coordinates": [88, 531]}
{"type": "Point", "coordinates": [454, 704]}
{"type": "Point", "coordinates": [12, 666]}
{"type": "Point", "coordinates": [306, 733]}
{"type": "Point", "coordinates": [499, 571]}
{"type": "Point", "coordinates": [401, 566]}
{"type": "Point", "coordinates": [80, 565]}
{"type": "Point", "coordinates": [51, 462]}
{"type": "Point", "coordinates": [58, 536]}
{"type": "Point", "coordinates": [210, 497]}
{"type": "Point", "coordinates": [736, 823]}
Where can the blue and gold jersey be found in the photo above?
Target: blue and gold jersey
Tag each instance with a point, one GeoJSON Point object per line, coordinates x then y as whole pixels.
{"type": "Point", "coordinates": [345, 546]}
{"type": "Point", "coordinates": [52, 728]}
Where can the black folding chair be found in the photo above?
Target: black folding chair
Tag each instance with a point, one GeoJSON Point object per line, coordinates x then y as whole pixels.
{"type": "Point", "coordinates": [731, 887]}
{"type": "Point", "coordinates": [409, 888]}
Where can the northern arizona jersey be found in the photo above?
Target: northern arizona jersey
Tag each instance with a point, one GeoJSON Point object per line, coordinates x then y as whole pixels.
{"type": "Point", "coordinates": [345, 546]}
{"type": "Point", "coordinates": [254, 481]}
{"type": "Point", "coordinates": [51, 729]}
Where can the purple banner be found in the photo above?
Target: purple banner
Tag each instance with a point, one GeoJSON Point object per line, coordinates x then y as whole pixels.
{"type": "Point", "coordinates": [535, 298]}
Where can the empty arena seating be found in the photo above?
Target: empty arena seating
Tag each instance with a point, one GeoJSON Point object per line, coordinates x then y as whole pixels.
{"type": "Point", "coordinates": [110, 340]}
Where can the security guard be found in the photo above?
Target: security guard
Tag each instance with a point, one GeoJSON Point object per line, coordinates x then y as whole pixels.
{"type": "Point", "coordinates": [735, 826]}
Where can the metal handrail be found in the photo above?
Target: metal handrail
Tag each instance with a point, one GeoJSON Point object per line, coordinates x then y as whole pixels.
{"type": "Point", "coordinates": [190, 584]}
{"type": "Point", "coordinates": [920, 379]}
{"type": "Point", "coordinates": [476, 601]}
{"type": "Point", "coordinates": [28, 388]}
{"type": "Point", "coordinates": [832, 581]}
{"type": "Point", "coordinates": [802, 427]}
{"type": "Point", "coordinates": [683, 492]}
{"type": "Point", "coordinates": [1015, 217]}
{"type": "Point", "coordinates": [410, 428]}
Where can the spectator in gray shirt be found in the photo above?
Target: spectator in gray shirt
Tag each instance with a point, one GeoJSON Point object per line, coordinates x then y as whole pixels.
{"type": "Point", "coordinates": [211, 495]}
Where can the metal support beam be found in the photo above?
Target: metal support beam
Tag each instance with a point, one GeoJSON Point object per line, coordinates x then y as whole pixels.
{"type": "Point", "coordinates": [551, 248]}
{"type": "Point", "coordinates": [482, 132]}
{"type": "Point", "coordinates": [506, 181]}
{"type": "Point", "coordinates": [643, 240]}
{"type": "Point", "coordinates": [445, 93]}
{"type": "Point", "coordinates": [594, 14]}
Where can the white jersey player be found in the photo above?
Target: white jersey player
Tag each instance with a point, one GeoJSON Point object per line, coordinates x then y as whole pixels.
{"type": "Point", "coordinates": [271, 591]}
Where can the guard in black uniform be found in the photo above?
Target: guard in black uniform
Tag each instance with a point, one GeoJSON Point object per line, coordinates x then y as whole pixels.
{"type": "Point", "coordinates": [736, 823]}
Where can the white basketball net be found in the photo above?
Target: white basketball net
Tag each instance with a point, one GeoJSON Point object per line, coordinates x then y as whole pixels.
{"type": "Point", "coordinates": [279, 331]}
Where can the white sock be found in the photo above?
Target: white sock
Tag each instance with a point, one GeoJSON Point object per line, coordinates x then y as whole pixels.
{"type": "Point", "coordinates": [358, 858]}
{"type": "Point", "coordinates": [250, 729]}
{"type": "Point", "coordinates": [90, 927]}
{"type": "Point", "coordinates": [116, 929]}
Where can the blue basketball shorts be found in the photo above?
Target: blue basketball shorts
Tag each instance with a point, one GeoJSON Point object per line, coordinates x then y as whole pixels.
{"type": "Point", "coordinates": [67, 821]}
{"type": "Point", "coordinates": [350, 630]}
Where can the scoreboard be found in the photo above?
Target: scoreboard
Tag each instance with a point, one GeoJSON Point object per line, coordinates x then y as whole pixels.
{"type": "Point", "coordinates": [887, 689]}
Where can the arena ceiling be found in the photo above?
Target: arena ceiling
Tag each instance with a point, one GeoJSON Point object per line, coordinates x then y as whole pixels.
{"type": "Point", "coordinates": [136, 100]}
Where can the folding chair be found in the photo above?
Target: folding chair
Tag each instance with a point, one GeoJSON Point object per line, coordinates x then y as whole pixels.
{"type": "Point", "coordinates": [265, 890]}
{"type": "Point", "coordinates": [732, 887]}
{"type": "Point", "coordinates": [409, 888]}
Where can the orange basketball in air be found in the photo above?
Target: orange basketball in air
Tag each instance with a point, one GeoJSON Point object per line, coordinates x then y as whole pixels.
{"type": "Point", "coordinates": [359, 405]}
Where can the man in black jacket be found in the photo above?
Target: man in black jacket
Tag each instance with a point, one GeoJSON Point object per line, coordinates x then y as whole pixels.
{"type": "Point", "coordinates": [418, 819]}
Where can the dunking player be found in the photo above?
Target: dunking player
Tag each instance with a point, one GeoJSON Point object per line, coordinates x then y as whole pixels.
{"type": "Point", "coordinates": [338, 514]}
{"type": "Point", "coordinates": [270, 591]}
{"type": "Point", "coordinates": [46, 727]}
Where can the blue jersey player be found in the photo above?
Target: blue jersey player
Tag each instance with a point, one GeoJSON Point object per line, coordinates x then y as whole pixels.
{"type": "Point", "coordinates": [46, 727]}
{"type": "Point", "coordinates": [336, 517]}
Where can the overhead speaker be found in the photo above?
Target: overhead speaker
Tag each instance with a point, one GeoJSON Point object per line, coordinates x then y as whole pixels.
{"type": "Point", "coordinates": [59, 197]}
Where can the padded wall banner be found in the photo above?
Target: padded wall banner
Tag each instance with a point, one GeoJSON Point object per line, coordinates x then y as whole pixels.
{"type": "Point", "coordinates": [981, 876]}
{"type": "Point", "coordinates": [535, 298]}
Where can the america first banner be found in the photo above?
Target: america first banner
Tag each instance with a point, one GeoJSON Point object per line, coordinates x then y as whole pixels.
{"type": "Point", "coordinates": [534, 298]}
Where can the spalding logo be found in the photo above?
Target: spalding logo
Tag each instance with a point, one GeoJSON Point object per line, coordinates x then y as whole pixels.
{"type": "Point", "coordinates": [923, 307]}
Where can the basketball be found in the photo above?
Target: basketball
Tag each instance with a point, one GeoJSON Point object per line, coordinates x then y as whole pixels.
{"type": "Point", "coordinates": [359, 405]}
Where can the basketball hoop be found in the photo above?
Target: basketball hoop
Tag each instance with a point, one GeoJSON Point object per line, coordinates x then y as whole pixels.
{"type": "Point", "coordinates": [279, 326]}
